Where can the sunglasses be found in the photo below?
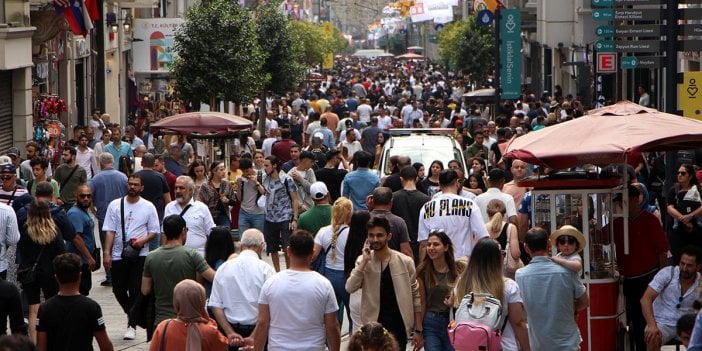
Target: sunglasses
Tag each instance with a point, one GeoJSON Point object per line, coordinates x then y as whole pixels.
{"type": "Point", "coordinates": [6, 177]}
{"type": "Point", "coordinates": [85, 196]}
{"type": "Point", "coordinates": [562, 240]}
{"type": "Point", "coordinates": [682, 173]}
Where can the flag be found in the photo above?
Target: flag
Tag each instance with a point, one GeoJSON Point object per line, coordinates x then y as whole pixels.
{"type": "Point", "coordinates": [93, 11]}
{"type": "Point", "coordinates": [74, 16]}
{"type": "Point", "coordinates": [85, 13]}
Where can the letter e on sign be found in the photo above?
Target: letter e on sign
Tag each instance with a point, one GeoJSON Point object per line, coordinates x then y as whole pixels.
{"type": "Point", "coordinates": [606, 62]}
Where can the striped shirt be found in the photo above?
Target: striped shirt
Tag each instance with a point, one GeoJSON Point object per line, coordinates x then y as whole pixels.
{"type": "Point", "coordinates": [8, 196]}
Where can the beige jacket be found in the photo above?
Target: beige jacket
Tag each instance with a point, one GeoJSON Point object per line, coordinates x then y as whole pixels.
{"type": "Point", "coordinates": [403, 279]}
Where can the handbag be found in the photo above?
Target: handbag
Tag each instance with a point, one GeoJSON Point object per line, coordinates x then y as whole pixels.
{"type": "Point", "coordinates": [511, 265]}
{"type": "Point", "coordinates": [129, 252]}
{"type": "Point", "coordinates": [28, 275]}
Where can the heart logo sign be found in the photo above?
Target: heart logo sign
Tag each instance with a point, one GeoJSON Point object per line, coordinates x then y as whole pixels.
{"type": "Point", "coordinates": [692, 91]}
{"type": "Point", "coordinates": [510, 24]}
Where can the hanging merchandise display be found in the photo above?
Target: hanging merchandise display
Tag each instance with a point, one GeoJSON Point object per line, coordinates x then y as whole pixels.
{"type": "Point", "coordinates": [49, 131]}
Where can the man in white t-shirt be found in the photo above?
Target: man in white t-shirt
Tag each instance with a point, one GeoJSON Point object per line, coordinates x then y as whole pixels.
{"type": "Point", "coordinates": [140, 222]}
{"type": "Point", "coordinates": [196, 214]}
{"type": "Point", "coordinates": [496, 180]}
{"type": "Point", "coordinates": [364, 111]}
{"type": "Point", "coordinates": [457, 216]}
{"type": "Point", "coordinates": [351, 144]}
{"type": "Point", "coordinates": [237, 287]}
{"type": "Point", "coordinates": [297, 307]}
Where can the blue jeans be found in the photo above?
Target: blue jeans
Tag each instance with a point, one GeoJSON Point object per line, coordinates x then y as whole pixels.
{"type": "Point", "coordinates": [435, 332]}
{"type": "Point", "coordinates": [247, 221]}
{"type": "Point", "coordinates": [223, 220]}
{"type": "Point", "coordinates": [338, 282]}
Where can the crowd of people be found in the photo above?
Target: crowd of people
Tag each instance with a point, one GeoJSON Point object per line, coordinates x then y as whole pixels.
{"type": "Point", "coordinates": [397, 253]}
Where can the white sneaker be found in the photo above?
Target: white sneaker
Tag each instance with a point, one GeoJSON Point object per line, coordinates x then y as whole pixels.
{"type": "Point", "coordinates": [130, 334]}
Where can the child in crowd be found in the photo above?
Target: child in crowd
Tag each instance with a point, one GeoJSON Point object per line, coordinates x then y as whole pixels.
{"type": "Point", "coordinates": [570, 242]}
{"type": "Point", "coordinates": [372, 337]}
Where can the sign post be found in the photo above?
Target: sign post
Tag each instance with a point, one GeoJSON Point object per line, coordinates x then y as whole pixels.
{"type": "Point", "coordinates": [510, 54]}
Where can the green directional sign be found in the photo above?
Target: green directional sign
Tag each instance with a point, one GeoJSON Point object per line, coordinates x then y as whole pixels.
{"type": "Point", "coordinates": [602, 14]}
{"type": "Point", "coordinates": [629, 62]}
{"type": "Point", "coordinates": [650, 62]}
{"type": "Point", "coordinates": [510, 54]}
{"type": "Point", "coordinates": [604, 31]}
{"type": "Point", "coordinates": [604, 46]}
{"type": "Point", "coordinates": [601, 3]}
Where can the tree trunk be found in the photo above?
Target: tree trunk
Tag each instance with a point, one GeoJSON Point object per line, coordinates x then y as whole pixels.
{"type": "Point", "coordinates": [262, 113]}
{"type": "Point", "coordinates": [213, 103]}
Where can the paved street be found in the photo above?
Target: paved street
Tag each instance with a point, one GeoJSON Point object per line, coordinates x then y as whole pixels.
{"type": "Point", "coordinates": [116, 320]}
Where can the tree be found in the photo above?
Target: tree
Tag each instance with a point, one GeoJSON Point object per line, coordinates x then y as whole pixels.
{"type": "Point", "coordinates": [318, 40]}
{"type": "Point", "coordinates": [282, 55]}
{"type": "Point", "coordinates": [469, 47]}
{"type": "Point", "coordinates": [219, 57]}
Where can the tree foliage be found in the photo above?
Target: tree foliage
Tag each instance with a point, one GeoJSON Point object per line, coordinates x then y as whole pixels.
{"type": "Point", "coordinates": [469, 47]}
{"type": "Point", "coordinates": [282, 51]}
{"type": "Point", "coordinates": [318, 40]}
{"type": "Point", "coordinates": [219, 57]}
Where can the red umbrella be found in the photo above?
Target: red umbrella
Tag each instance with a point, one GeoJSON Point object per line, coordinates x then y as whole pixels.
{"type": "Point", "coordinates": [204, 123]}
{"type": "Point", "coordinates": [606, 136]}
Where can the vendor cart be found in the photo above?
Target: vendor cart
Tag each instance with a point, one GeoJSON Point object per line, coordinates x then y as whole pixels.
{"type": "Point", "coordinates": [590, 200]}
{"type": "Point", "coordinates": [590, 207]}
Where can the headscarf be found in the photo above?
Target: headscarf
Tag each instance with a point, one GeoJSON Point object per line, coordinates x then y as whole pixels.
{"type": "Point", "coordinates": [645, 202]}
{"type": "Point", "coordinates": [189, 303]}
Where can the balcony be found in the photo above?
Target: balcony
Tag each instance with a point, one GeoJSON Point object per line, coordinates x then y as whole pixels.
{"type": "Point", "coordinates": [15, 35]}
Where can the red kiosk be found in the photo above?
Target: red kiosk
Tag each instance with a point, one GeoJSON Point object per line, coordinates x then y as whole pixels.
{"type": "Point", "coordinates": [589, 201]}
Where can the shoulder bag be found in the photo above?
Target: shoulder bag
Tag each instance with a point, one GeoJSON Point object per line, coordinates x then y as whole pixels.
{"type": "Point", "coordinates": [129, 252]}
{"type": "Point", "coordinates": [511, 265]}
{"type": "Point", "coordinates": [28, 275]}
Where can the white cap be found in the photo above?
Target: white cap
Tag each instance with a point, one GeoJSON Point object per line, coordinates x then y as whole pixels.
{"type": "Point", "coordinates": [318, 190]}
{"type": "Point", "coordinates": [318, 135]}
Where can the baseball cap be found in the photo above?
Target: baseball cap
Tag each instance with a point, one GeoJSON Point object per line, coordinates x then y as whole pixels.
{"type": "Point", "coordinates": [318, 135]}
{"type": "Point", "coordinates": [318, 190]}
{"type": "Point", "coordinates": [348, 123]}
{"type": "Point", "coordinates": [496, 174]}
{"type": "Point", "coordinates": [7, 168]}
{"type": "Point", "coordinates": [13, 151]}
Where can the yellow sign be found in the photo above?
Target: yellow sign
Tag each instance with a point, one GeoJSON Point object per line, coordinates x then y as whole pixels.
{"type": "Point", "coordinates": [690, 95]}
{"type": "Point", "coordinates": [328, 61]}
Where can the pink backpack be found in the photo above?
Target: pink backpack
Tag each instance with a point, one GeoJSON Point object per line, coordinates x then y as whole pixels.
{"type": "Point", "coordinates": [473, 336]}
{"type": "Point", "coordinates": [477, 324]}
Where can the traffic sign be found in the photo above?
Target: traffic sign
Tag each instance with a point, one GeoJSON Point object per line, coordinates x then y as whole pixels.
{"type": "Point", "coordinates": [690, 95]}
{"type": "Point", "coordinates": [639, 2]}
{"type": "Point", "coordinates": [690, 13]}
{"type": "Point", "coordinates": [692, 46]}
{"type": "Point", "coordinates": [637, 14]}
{"type": "Point", "coordinates": [631, 62]}
{"type": "Point", "coordinates": [601, 3]}
{"type": "Point", "coordinates": [604, 46]}
{"type": "Point", "coordinates": [604, 31]}
{"type": "Point", "coordinates": [485, 17]}
{"type": "Point", "coordinates": [606, 62]}
{"type": "Point", "coordinates": [602, 14]}
{"type": "Point", "coordinates": [691, 29]}
{"type": "Point", "coordinates": [638, 46]}
{"type": "Point", "coordinates": [650, 30]}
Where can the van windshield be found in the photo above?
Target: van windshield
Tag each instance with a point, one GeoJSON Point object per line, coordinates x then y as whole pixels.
{"type": "Point", "coordinates": [424, 154]}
